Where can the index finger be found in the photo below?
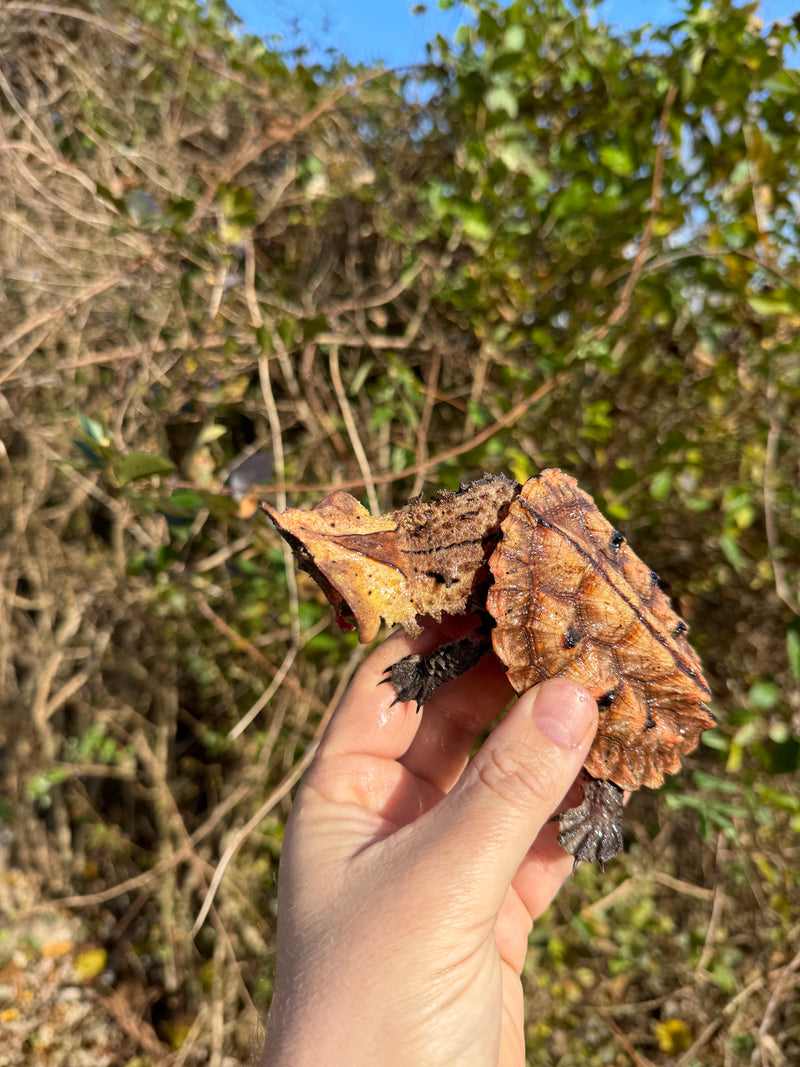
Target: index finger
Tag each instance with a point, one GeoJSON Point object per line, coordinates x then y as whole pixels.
{"type": "Point", "coordinates": [368, 722]}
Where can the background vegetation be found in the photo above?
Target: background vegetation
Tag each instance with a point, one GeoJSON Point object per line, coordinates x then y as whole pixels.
{"type": "Point", "coordinates": [552, 245]}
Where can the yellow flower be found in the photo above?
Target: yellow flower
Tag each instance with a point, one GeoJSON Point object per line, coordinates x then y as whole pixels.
{"type": "Point", "coordinates": [674, 1036]}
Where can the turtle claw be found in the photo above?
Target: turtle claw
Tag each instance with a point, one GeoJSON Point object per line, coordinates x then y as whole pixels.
{"type": "Point", "coordinates": [412, 679]}
{"type": "Point", "coordinates": [418, 677]}
{"type": "Point", "coordinates": [593, 830]}
{"type": "Point", "coordinates": [400, 698]}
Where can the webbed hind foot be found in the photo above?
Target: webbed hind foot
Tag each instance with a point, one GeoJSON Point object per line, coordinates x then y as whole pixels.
{"type": "Point", "coordinates": [593, 830]}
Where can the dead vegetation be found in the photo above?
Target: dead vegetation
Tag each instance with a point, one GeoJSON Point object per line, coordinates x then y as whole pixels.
{"type": "Point", "coordinates": [209, 254]}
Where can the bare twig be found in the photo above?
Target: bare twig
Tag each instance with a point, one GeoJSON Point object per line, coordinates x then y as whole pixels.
{"type": "Point", "coordinates": [617, 894]}
{"type": "Point", "coordinates": [786, 976]}
{"type": "Point", "coordinates": [714, 920]}
{"type": "Point", "coordinates": [637, 1007]}
{"type": "Point", "coordinates": [51, 315]}
{"type": "Point", "coordinates": [700, 1042]}
{"type": "Point", "coordinates": [250, 650]}
{"type": "Point", "coordinates": [782, 587]}
{"type": "Point", "coordinates": [687, 888]}
{"type": "Point", "coordinates": [711, 252]}
{"type": "Point", "coordinates": [381, 299]}
{"type": "Point", "coordinates": [26, 120]}
{"type": "Point", "coordinates": [116, 1004]}
{"type": "Point", "coordinates": [352, 429]}
{"type": "Point", "coordinates": [241, 835]}
{"type": "Point", "coordinates": [280, 465]}
{"type": "Point", "coordinates": [508, 419]}
{"type": "Point", "coordinates": [655, 206]}
{"type": "Point", "coordinates": [267, 695]}
{"type": "Point", "coordinates": [425, 421]}
{"type": "Point", "coordinates": [286, 785]}
{"type": "Point", "coordinates": [281, 130]}
{"type": "Point", "coordinates": [317, 409]}
{"type": "Point", "coordinates": [638, 1059]}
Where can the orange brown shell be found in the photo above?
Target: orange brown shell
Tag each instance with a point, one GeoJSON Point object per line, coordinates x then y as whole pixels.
{"type": "Point", "coordinates": [571, 598]}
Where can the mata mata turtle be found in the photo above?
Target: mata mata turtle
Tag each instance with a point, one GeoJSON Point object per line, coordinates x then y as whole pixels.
{"type": "Point", "coordinates": [559, 591]}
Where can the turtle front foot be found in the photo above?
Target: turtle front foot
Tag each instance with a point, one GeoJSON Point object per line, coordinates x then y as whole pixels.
{"type": "Point", "coordinates": [418, 677]}
{"type": "Point", "coordinates": [593, 830]}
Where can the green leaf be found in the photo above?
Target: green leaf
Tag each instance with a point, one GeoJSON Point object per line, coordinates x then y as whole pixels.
{"type": "Point", "coordinates": [688, 82]}
{"type": "Point", "coordinates": [475, 223]}
{"type": "Point", "coordinates": [89, 454]}
{"type": "Point", "coordinates": [188, 498]}
{"type": "Point", "coordinates": [314, 325]}
{"type": "Point", "coordinates": [514, 38]}
{"type": "Point", "coordinates": [793, 650]}
{"type": "Point", "coordinates": [673, 1036]}
{"type": "Point", "coordinates": [93, 429]}
{"type": "Point", "coordinates": [725, 978]}
{"type": "Point", "coordinates": [517, 157]}
{"type": "Point", "coordinates": [618, 160]}
{"type": "Point", "coordinates": [715, 739]}
{"type": "Point", "coordinates": [104, 192]}
{"type": "Point", "coordinates": [574, 200]}
{"type": "Point", "coordinates": [776, 798]}
{"type": "Point", "coordinates": [770, 304]}
{"type": "Point", "coordinates": [140, 465]}
{"type": "Point", "coordinates": [264, 340]}
{"type": "Point", "coordinates": [501, 98]}
{"type": "Point", "coordinates": [705, 781]}
{"type": "Point", "coordinates": [661, 485]}
{"type": "Point", "coordinates": [623, 478]}
{"type": "Point", "coordinates": [480, 415]}
{"type": "Point", "coordinates": [732, 552]}
{"type": "Point", "coordinates": [210, 433]}
{"type": "Point", "coordinates": [785, 83]}
{"type": "Point", "coordinates": [361, 375]}
{"type": "Point", "coordinates": [237, 203]}
{"type": "Point", "coordinates": [181, 210]}
{"type": "Point", "coordinates": [763, 695]}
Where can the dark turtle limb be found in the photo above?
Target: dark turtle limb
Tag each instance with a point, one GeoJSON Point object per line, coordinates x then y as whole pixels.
{"type": "Point", "coordinates": [593, 830]}
{"type": "Point", "coordinates": [418, 677]}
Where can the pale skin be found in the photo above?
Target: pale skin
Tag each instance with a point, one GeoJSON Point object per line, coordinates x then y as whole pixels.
{"type": "Point", "coordinates": [411, 873]}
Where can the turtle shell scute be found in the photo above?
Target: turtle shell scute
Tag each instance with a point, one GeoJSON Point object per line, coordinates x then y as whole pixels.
{"type": "Point", "coordinates": [571, 598]}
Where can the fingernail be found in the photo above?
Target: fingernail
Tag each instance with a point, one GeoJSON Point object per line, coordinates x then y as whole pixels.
{"type": "Point", "coordinates": [563, 712]}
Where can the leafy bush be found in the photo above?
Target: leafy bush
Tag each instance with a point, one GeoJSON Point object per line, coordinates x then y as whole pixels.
{"type": "Point", "coordinates": [580, 250]}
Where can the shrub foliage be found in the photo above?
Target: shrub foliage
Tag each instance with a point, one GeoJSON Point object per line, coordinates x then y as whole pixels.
{"type": "Point", "coordinates": [550, 245]}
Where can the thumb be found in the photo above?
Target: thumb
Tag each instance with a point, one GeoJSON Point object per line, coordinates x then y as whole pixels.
{"type": "Point", "coordinates": [515, 782]}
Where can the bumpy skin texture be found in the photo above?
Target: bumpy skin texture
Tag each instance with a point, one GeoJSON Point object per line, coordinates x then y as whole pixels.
{"type": "Point", "coordinates": [428, 558]}
{"type": "Point", "coordinates": [561, 594]}
{"type": "Point", "coordinates": [593, 830]}
{"type": "Point", "coordinates": [418, 677]}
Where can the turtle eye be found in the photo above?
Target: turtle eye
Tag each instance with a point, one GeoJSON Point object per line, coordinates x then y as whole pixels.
{"type": "Point", "coordinates": [680, 629]}
{"type": "Point", "coordinates": [615, 540]}
{"type": "Point", "coordinates": [442, 579]}
{"type": "Point", "coordinates": [655, 578]}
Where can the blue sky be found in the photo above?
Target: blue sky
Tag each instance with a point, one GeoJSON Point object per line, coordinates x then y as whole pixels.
{"type": "Point", "coordinates": [367, 30]}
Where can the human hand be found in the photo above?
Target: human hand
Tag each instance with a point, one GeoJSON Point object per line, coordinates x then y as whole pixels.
{"type": "Point", "coordinates": [408, 881]}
